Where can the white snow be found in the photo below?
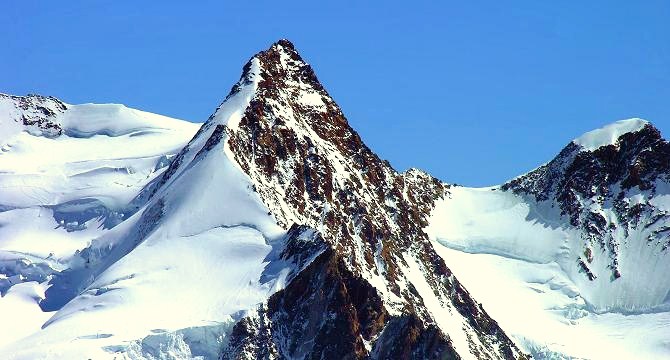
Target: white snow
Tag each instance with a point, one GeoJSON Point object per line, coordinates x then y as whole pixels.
{"type": "Point", "coordinates": [9, 127]}
{"type": "Point", "coordinates": [21, 315]}
{"type": "Point", "coordinates": [191, 258]}
{"type": "Point", "coordinates": [542, 310]}
{"type": "Point", "coordinates": [115, 120]}
{"type": "Point", "coordinates": [168, 283]}
{"type": "Point", "coordinates": [59, 194]}
{"type": "Point", "coordinates": [486, 220]}
{"type": "Point", "coordinates": [518, 258]}
{"type": "Point", "coordinates": [448, 319]}
{"type": "Point", "coordinates": [312, 99]}
{"type": "Point", "coordinates": [609, 134]}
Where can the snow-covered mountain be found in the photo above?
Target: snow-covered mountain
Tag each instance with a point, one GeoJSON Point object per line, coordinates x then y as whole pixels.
{"type": "Point", "coordinates": [275, 232]}
{"type": "Point", "coordinates": [584, 239]}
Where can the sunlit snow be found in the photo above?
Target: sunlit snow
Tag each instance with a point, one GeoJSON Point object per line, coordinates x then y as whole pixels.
{"type": "Point", "coordinates": [609, 134]}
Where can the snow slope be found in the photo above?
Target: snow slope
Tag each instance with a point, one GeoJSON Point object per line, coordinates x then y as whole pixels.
{"type": "Point", "coordinates": [68, 176]}
{"type": "Point", "coordinates": [182, 266]}
{"type": "Point", "coordinates": [542, 309]}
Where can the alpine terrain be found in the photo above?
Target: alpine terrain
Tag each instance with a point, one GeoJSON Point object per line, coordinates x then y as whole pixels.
{"type": "Point", "coordinates": [271, 231]}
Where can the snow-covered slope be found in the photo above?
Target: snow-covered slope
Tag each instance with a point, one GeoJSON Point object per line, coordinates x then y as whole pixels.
{"type": "Point", "coordinates": [68, 175]}
{"type": "Point", "coordinates": [590, 231]}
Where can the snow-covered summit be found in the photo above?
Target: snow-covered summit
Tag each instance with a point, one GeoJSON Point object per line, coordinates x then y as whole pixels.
{"type": "Point", "coordinates": [609, 134]}
{"type": "Point", "coordinates": [614, 194]}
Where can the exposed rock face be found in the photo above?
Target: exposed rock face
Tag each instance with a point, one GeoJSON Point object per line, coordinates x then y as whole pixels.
{"type": "Point", "coordinates": [313, 169]}
{"type": "Point", "coordinates": [37, 113]}
{"type": "Point", "coordinates": [375, 288]}
{"type": "Point", "coordinates": [329, 312]}
{"type": "Point", "coordinates": [610, 194]}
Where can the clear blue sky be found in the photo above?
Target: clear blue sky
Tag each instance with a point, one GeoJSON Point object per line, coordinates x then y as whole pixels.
{"type": "Point", "coordinates": [474, 92]}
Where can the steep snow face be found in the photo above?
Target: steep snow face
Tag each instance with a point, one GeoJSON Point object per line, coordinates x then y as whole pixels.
{"type": "Point", "coordinates": [609, 134]}
{"type": "Point", "coordinates": [490, 221]}
{"type": "Point", "coordinates": [591, 228]}
{"type": "Point", "coordinates": [232, 109]}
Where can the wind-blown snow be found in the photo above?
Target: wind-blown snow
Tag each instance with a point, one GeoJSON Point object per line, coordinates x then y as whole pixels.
{"type": "Point", "coordinates": [21, 314]}
{"type": "Point", "coordinates": [609, 134]}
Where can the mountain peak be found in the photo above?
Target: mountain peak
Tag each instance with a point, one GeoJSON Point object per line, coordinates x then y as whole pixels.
{"type": "Point", "coordinates": [281, 59]}
{"type": "Point", "coordinates": [34, 113]}
{"type": "Point", "coordinates": [278, 75]}
{"type": "Point", "coordinates": [281, 63]}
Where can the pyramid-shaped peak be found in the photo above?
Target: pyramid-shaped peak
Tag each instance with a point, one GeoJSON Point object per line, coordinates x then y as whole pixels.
{"type": "Point", "coordinates": [277, 74]}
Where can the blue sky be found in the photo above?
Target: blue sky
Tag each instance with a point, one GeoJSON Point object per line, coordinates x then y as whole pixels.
{"type": "Point", "coordinates": [474, 92]}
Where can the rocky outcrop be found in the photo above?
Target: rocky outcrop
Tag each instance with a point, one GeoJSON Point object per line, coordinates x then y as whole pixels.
{"type": "Point", "coordinates": [37, 113]}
